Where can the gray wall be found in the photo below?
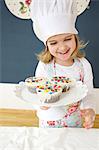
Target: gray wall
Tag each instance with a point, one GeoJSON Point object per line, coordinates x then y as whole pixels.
{"type": "Point", "coordinates": [18, 44]}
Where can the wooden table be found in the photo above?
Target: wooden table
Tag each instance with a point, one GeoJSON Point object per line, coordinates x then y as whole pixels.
{"type": "Point", "coordinates": [12, 117]}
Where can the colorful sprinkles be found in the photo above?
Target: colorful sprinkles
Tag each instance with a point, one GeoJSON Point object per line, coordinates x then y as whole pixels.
{"type": "Point", "coordinates": [61, 79]}
{"type": "Point", "coordinates": [50, 89]}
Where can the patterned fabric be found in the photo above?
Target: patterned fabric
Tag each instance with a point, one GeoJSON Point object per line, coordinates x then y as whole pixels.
{"type": "Point", "coordinates": [72, 118]}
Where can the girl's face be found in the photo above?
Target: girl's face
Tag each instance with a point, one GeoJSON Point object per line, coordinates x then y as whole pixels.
{"type": "Point", "coordinates": [62, 46]}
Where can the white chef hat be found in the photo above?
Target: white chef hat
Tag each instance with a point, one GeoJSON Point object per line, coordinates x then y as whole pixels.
{"type": "Point", "coordinates": [52, 17]}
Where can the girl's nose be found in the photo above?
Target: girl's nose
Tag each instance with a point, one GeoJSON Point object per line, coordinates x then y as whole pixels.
{"type": "Point", "coordinates": [62, 47]}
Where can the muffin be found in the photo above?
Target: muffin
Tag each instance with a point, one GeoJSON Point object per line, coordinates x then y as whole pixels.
{"type": "Point", "coordinates": [32, 82]}
{"type": "Point", "coordinates": [63, 81]}
{"type": "Point", "coordinates": [49, 93]}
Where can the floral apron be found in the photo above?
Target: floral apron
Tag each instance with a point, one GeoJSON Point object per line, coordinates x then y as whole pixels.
{"type": "Point", "coordinates": [72, 117]}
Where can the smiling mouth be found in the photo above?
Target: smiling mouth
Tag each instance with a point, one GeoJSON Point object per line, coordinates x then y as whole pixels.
{"type": "Point", "coordinates": [64, 52]}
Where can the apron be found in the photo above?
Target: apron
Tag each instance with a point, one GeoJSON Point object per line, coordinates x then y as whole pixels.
{"type": "Point", "coordinates": [72, 117]}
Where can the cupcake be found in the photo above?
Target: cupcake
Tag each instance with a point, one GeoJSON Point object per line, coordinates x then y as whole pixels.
{"type": "Point", "coordinates": [63, 81]}
{"type": "Point", "coordinates": [49, 93]}
{"type": "Point", "coordinates": [32, 82]}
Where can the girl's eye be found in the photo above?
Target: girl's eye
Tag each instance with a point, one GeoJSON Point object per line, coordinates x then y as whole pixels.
{"type": "Point", "coordinates": [68, 39]}
{"type": "Point", "coordinates": [53, 43]}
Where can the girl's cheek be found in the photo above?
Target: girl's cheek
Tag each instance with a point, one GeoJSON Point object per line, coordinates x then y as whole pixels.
{"type": "Point", "coordinates": [53, 49]}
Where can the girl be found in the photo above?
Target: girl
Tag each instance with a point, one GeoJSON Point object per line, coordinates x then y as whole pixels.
{"type": "Point", "coordinates": [62, 57]}
{"type": "Point", "coordinates": [54, 24]}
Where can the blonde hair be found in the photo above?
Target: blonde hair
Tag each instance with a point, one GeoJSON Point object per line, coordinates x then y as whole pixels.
{"type": "Point", "coordinates": [45, 56]}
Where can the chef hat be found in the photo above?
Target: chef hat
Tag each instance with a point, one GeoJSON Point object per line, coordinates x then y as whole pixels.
{"type": "Point", "coordinates": [52, 17]}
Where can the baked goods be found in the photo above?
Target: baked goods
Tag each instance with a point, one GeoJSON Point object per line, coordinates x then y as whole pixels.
{"type": "Point", "coordinates": [49, 90]}
{"type": "Point", "coordinates": [32, 82]}
{"type": "Point", "coordinates": [63, 81]}
{"type": "Point", "coordinates": [49, 93]}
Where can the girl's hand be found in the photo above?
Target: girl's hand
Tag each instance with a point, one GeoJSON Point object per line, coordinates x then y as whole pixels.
{"type": "Point", "coordinates": [89, 117]}
{"type": "Point", "coordinates": [44, 107]}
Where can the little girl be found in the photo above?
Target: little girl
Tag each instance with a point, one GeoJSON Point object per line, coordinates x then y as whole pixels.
{"type": "Point", "coordinates": [62, 57]}
{"type": "Point", "coordinates": [54, 24]}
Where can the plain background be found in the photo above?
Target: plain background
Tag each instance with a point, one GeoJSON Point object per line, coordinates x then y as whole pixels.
{"type": "Point", "coordinates": [18, 43]}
